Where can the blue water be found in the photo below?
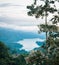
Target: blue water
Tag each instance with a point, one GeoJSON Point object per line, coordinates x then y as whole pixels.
{"type": "Point", "coordinates": [10, 37]}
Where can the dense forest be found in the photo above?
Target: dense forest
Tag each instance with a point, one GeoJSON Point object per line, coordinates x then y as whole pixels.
{"type": "Point", "coordinates": [49, 55]}
{"type": "Point", "coordinates": [6, 58]}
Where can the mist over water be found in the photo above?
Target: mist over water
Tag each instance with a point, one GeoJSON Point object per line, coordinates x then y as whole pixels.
{"type": "Point", "coordinates": [21, 40]}
{"type": "Point", "coordinates": [29, 44]}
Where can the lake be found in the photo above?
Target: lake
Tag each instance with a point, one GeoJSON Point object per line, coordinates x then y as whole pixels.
{"type": "Point", "coordinates": [21, 40]}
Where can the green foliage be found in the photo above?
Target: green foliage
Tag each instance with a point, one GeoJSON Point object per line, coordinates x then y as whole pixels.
{"type": "Point", "coordinates": [3, 62]}
{"type": "Point", "coordinates": [50, 57]}
{"type": "Point", "coordinates": [4, 54]}
{"type": "Point", "coordinates": [39, 10]}
{"type": "Point", "coordinates": [55, 19]}
{"type": "Point", "coordinates": [51, 48]}
{"type": "Point", "coordinates": [3, 51]}
{"type": "Point", "coordinates": [35, 57]}
{"type": "Point", "coordinates": [48, 28]}
{"type": "Point", "coordinates": [43, 11]}
{"type": "Point", "coordinates": [8, 59]}
{"type": "Point", "coordinates": [20, 60]}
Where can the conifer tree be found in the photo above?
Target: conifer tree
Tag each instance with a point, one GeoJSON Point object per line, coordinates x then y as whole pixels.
{"type": "Point", "coordinates": [42, 11]}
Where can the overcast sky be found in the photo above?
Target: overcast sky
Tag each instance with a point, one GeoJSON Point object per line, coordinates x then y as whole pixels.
{"type": "Point", "coordinates": [14, 13]}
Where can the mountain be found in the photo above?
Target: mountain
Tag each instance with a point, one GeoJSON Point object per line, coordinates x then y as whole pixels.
{"type": "Point", "coordinates": [10, 37]}
{"type": "Point", "coordinates": [40, 43]}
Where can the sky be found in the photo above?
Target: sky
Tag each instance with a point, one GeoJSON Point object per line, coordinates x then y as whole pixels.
{"type": "Point", "coordinates": [13, 13]}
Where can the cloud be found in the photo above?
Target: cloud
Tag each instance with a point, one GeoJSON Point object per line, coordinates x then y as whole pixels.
{"type": "Point", "coordinates": [16, 27]}
{"type": "Point", "coordinates": [9, 4]}
{"type": "Point", "coordinates": [19, 21]}
{"type": "Point", "coordinates": [4, 4]}
{"type": "Point", "coordinates": [17, 13]}
{"type": "Point", "coordinates": [17, 2]}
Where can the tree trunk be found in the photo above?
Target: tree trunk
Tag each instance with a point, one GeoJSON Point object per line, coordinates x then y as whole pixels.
{"type": "Point", "coordinates": [46, 25]}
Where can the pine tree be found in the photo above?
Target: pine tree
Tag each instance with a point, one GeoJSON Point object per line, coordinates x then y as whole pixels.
{"type": "Point", "coordinates": [42, 11]}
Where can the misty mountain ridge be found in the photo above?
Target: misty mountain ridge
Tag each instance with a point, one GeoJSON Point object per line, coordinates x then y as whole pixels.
{"type": "Point", "coordinates": [10, 37]}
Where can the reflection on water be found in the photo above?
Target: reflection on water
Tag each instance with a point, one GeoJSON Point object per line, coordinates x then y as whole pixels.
{"type": "Point", "coordinates": [29, 44]}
